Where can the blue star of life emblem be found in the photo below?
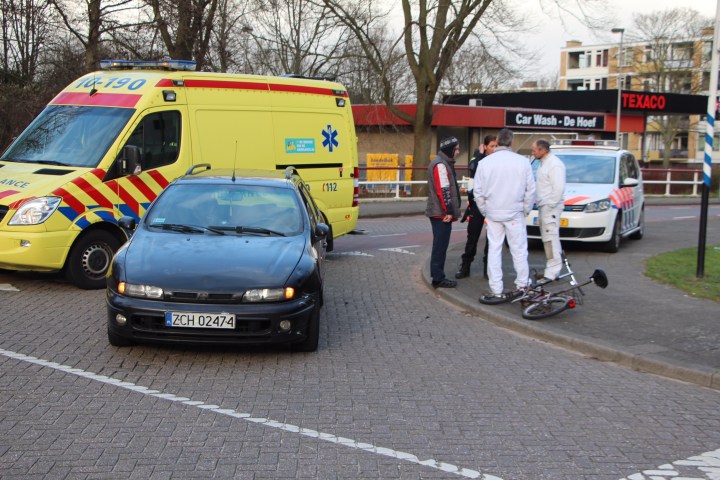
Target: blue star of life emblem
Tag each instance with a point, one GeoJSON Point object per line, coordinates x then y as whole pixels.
{"type": "Point", "coordinates": [330, 138]}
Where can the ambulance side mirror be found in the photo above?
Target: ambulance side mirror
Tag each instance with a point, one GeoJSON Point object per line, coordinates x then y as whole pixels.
{"type": "Point", "coordinates": [131, 160]}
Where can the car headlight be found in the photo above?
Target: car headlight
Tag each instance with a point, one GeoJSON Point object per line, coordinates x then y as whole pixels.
{"type": "Point", "coordinates": [269, 294]}
{"type": "Point", "coordinates": [140, 291]}
{"type": "Point", "coordinates": [599, 206]}
{"type": "Point", "coordinates": [35, 211]}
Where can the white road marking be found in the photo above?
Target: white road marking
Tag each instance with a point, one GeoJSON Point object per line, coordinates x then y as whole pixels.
{"type": "Point", "coordinates": [706, 464]}
{"type": "Point", "coordinates": [6, 287]}
{"type": "Point", "coordinates": [400, 249]}
{"type": "Point", "coordinates": [389, 235]}
{"type": "Point", "coordinates": [685, 217]}
{"type": "Point", "coordinates": [327, 437]}
{"type": "Point", "coordinates": [356, 254]}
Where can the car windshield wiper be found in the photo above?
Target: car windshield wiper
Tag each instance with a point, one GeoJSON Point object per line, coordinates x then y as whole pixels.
{"type": "Point", "coordinates": [176, 227]}
{"type": "Point", "coordinates": [242, 229]}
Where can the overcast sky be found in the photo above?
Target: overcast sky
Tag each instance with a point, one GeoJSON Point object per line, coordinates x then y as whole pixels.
{"type": "Point", "coordinates": [554, 37]}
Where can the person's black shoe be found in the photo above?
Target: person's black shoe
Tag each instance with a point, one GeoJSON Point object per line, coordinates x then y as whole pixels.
{"type": "Point", "coordinates": [445, 283]}
{"type": "Point", "coordinates": [464, 271]}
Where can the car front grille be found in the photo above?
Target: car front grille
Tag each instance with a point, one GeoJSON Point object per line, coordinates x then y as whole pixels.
{"type": "Point", "coordinates": [202, 297]}
{"type": "Point", "coordinates": [3, 212]}
{"type": "Point", "coordinates": [574, 208]}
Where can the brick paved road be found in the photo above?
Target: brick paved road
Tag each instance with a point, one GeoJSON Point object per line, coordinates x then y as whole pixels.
{"type": "Point", "coordinates": [404, 385]}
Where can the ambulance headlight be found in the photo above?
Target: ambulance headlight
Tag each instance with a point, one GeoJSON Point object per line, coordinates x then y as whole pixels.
{"type": "Point", "coordinates": [599, 206]}
{"type": "Point", "coordinates": [35, 211]}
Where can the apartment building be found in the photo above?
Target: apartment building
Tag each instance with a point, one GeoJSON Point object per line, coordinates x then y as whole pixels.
{"type": "Point", "coordinates": [678, 66]}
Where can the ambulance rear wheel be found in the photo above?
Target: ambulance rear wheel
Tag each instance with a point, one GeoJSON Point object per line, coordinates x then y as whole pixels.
{"type": "Point", "coordinates": [90, 259]}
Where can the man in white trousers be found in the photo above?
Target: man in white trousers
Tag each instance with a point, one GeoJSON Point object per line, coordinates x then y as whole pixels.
{"type": "Point", "coordinates": [550, 192]}
{"type": "Point", "coordinates": [504, 190]}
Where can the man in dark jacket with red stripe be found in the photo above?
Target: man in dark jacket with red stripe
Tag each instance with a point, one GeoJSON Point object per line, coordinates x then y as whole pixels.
{"type": "Point", "coordinates": [443, 207]}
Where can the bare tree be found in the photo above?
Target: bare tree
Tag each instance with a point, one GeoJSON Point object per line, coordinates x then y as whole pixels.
{"type": "Point", "coordinates": [26, 28]}
{"type": "Point", "coordinates": [433, 31]}
{"type": "Point", "coordinates": [230, 37]}
{"type": "Point", "coordinates": [298, 37]}
{"type": "Point", "coordinates": [667, 63]}
{"type": "Point", "coordinates": [185, 27]}
{"type": "Point", "coordinates": [89, 25]}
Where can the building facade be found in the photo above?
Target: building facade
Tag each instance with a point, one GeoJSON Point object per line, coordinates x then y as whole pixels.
{"type": "Point", "coordinates": [678, 66]}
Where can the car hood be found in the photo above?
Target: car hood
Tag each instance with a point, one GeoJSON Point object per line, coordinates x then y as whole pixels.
{"type": "Point", "coordinates": [584, 193]}
{"type": "Point", "coordinates": [19, 181]}
{"type": "Point", "coordinates": [222, 263]}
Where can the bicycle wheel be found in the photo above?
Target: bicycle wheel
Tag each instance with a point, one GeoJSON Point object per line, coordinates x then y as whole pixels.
{"type": "Point", "coordinates": [546, 308]}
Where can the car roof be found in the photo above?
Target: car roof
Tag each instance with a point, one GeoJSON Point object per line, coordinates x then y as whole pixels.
{"type": "Point", "coordinates": [274, 178]}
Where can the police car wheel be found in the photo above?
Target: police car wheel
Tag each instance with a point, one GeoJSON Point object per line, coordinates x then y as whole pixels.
{"type": "Point", "coordinates": [613, 245]}
{"type": "Point", "coordinates": [90, 259]}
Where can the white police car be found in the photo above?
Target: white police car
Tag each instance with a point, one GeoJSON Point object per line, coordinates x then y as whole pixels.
{"type": "Point", "coordinates": [604, 198]}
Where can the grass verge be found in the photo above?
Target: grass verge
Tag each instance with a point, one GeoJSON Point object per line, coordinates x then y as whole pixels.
{"type": "Point", "coordinates": [679, 267]}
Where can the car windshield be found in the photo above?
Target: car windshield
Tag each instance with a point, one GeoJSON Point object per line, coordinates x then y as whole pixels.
{"type": "Point", "coordinates": [69, 135]}
{"type": "Point", "coordinates": [228, 208]}
{"type": "Point", "coordinates": [586, 168]}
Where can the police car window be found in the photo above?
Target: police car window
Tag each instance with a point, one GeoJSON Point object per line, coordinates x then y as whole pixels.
{"type": "Point", "coordinates": [158, 138]}
{"type": "Point", "coordinates": [69, 135]}
{"type": "Point", "coordinates": [632, 170]}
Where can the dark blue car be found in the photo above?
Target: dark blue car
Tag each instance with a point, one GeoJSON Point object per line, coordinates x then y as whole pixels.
{"type": "Point", "coordinates": [222, 257]}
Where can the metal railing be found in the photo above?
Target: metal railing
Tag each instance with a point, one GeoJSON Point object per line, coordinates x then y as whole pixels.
{"type": "Point", "coordinates": [399, 187]}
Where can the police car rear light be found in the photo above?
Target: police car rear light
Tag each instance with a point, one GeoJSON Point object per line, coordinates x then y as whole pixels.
{"type": "Point", "coordinates": [188, 65]}
{"type": "Point", "coordinates": [591, 143]}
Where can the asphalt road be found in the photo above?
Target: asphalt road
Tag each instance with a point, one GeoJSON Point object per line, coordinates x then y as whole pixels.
{"type": "Point", "coordinates": [404, 385]}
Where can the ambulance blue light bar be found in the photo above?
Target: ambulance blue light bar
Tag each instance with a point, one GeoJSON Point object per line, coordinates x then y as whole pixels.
{"type": "Point", "coordinates": [188, 65]}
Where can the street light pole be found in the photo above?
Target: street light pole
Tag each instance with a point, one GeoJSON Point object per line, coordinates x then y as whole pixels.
{"type": "Point", "coordinates": [621, 31]}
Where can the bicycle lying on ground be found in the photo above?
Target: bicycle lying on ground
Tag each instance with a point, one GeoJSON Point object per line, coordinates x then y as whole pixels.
{"type": "Point", "coordinates": [539, 302]}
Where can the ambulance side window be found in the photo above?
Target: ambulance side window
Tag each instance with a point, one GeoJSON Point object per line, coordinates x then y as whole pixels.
{"type": "Point", "coordinates": [158, 138]}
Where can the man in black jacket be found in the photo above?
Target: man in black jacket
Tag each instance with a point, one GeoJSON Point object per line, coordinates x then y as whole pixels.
{"type": "Point", "coordinates": [473, 215]}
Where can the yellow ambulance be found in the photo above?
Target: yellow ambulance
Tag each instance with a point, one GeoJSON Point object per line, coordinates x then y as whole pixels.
{"type": "Point", "coordinates": [107, 144]}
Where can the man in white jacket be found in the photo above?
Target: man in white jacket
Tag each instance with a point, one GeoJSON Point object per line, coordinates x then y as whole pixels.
{"type": "Point", "coordinates": [550, 191]}
{"type": "Point", "coordinates": [504, 190]}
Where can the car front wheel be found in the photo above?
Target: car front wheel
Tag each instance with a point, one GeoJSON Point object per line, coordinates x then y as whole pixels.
{"type": "Point", "coordinates": [312, 332]}
{"type": "Point", "coordinates": [613, 245]}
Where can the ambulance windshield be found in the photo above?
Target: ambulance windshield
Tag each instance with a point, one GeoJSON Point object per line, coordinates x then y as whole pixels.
{"type": "Point", "coordinates": [69, 135]}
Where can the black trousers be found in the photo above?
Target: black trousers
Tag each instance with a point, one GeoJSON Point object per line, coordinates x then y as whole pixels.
{"type": "Point", "coordinates": [474, 229]}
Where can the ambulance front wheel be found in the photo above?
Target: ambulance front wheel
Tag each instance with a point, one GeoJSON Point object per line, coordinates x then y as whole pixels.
{"type": "Point", "coordinates": [90, 259]}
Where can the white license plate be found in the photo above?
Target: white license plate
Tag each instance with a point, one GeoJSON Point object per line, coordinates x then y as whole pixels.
{"type": "Point", "coordinates": [563, 221]}
{"type": "Point", "coordinates": [200, 320]}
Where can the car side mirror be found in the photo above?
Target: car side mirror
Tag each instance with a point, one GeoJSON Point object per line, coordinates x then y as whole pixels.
{"type": "Point", "coordinates": [128, 223]}
{"type": "Point", "coordinates": [631, 182]}
{"type": "Point", "coordinates": [130, 160]}
{"type": "Point", "coordinates": [321, 230]}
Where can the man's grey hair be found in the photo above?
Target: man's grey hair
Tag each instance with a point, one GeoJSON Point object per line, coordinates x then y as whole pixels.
{"type": "Point", "coordinates": [542, 143]}
{"type": "Point", "coordinates": [505, 137]}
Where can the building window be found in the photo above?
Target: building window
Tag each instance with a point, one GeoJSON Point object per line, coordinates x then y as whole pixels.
{"type": "Point", "coordinates": [605, 57]}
